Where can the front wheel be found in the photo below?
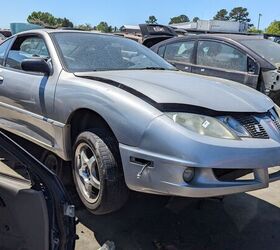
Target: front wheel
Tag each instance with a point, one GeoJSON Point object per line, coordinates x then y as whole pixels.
{"type": "Point", "coordinates": [98, 173]}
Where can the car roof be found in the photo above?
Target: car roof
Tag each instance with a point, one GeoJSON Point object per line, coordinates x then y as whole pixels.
{"type": "Point", "coordinates": [51, 31]}
{"type": "Point", "coordinates": [235, 37]}
{"type": "Point", "coordinates": [219, 36]}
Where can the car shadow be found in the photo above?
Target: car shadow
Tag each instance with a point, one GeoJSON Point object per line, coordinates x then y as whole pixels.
{"type": "Point", "coordinates": [152, 222]}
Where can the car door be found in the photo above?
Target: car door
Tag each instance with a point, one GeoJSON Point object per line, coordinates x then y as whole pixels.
{"type": "Point", "coordinates": [179, 53]}
{"type": "Point", "coordinates": [24, 105]}
{"type": "Point", "coordinates": [35, 211]}
{"type": "Point", "coordinates": [223, 60]}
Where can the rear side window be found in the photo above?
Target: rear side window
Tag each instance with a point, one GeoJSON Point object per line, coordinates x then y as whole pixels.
{"type": "Point", "coordinates": [179, 52]}
{"type": "Point", "coordinates": [26, 47]}
{"type": "Point", "coordinates": [220, 55]}
{"type": "Point", "coordinates": [3, 48]}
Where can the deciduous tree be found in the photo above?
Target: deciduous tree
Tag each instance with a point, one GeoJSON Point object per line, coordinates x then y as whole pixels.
{"type": "Point", "coordinates": [179, 19]}
{"type": "Point", "coordinates": [104, 27]}
{"type": "Point", "coordinates": [195, 19]}
{"type": "Point", "coordinates": [253, 29]}
{"type": "Point", "coordinates": [273, 28]}
{"type": "Point", "coordinates": [152, 20]}
{"type": "Point", "coordinates": [48, 20]}
{"type": "Point", "coordinates": [239, 14]}
{"type": "Point", "coordinates": [86, 27]}
{"type": "Point", "coordinates": [221, 15]}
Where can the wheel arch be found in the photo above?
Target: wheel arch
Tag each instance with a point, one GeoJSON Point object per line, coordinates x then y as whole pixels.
{"type": "Point", "coordinates": [83, 119]}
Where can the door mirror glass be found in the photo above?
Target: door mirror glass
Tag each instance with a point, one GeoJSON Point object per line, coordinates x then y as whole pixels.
{"type": "Point", "coordinates": [252, 66]}
{"type": "Point", "coordinates": [36, 65]}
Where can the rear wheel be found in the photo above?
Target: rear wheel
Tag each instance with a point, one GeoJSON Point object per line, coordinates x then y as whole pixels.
{"type": "Point", "coordinates": [61, 168]}
{"type": "Point", "coordinates": [52, 162]}
{"type": "Point", "coordinates": [98, 173]}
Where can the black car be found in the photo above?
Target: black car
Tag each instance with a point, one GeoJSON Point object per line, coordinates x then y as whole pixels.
{"type": "Point", "coordinates": [35, 212]}
{"type": "Point", "coordinates": [248, 59]}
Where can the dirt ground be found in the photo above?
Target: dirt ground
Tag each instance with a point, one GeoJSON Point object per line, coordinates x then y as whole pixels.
{"type": "Point", "coordinates": [243, 221]}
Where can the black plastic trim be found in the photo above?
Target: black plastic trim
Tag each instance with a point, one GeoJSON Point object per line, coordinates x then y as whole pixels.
{"type": "Point", "coordinates": [44, 180]}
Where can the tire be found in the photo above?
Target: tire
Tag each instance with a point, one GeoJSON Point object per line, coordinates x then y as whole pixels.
{"type": "Point", "coordinates": [58, 166]}
{"type": "Point", "coordinates": [97, 172]}
{"type": "Point", "coordinates": [52, 162]}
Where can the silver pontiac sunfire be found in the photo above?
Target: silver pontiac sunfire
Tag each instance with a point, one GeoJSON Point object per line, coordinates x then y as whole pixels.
{"type": "Point", "coordinates": [129, 120]}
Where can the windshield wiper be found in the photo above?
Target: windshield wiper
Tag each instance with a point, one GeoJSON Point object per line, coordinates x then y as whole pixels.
{"type": "Point", "coordinates": [151, 68]}
{"type": "Point", "coordinates": [154, 68]}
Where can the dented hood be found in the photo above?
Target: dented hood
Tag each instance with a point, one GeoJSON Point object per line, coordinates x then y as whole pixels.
{"type": "Point", "coordinates": [184, 88]}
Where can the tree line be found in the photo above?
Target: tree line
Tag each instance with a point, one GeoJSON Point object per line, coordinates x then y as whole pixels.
{"type": "Point", "coordinates": [239, 14]}
{"type": "Point", "coordinates": [47, 20]}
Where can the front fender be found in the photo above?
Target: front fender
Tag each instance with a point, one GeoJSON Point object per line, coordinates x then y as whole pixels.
{"type": "Point", "coordinates": [127, 115]}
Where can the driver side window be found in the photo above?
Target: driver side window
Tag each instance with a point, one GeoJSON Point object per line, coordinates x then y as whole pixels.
{"type": "Point", "coordinates": [24, 48]}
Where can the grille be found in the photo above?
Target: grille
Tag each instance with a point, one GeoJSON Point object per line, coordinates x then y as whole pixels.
{"type": "Point", "coordinates": [254, 128]}
{"type": "Point", "coordinates": [277, 124]}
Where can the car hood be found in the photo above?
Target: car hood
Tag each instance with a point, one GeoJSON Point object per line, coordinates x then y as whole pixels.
{"type": "Point", "coordinates": [178, 87]}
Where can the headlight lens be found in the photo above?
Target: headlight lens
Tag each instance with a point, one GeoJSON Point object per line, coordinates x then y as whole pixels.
{"type": "Point", "coordinates": [234, 125]}
{"type": "Point", "coordinates": [203, 125]}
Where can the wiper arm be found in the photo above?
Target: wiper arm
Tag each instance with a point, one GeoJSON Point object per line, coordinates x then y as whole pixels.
{"type": "Point", "coordinates": [153, 68]}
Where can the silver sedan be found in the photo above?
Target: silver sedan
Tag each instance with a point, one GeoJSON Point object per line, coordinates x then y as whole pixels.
{"type": "Point", "coordinates": [127, 119]}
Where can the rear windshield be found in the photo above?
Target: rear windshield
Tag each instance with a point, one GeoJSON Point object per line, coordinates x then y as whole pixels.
{"type": "Point", "coordinates": [265, 48]}
{"type": "Point", "coordinates": [96, 52]}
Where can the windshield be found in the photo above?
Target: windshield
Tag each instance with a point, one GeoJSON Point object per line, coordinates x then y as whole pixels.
{"type": "Point", "coordinates": [83, 52]}
{"type": "Point", "coordinates": [265, 48]}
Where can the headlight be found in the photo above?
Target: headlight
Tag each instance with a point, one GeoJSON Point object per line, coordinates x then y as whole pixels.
{"type": "Point", "coordinates": [234, 125]}
{"type": "Point", "coordinates": [203, 125]}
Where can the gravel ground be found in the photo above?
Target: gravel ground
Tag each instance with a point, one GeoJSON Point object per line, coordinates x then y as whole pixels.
{"type": "Point", "coordinates": [243, 221]}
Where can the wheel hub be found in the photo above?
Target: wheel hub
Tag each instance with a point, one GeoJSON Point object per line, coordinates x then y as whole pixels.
{"type": "Point", "coordinates": [86, 171]}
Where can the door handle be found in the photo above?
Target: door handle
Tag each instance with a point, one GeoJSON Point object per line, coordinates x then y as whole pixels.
{"type": "Point", "coordinates": [1, 79]}
{"type": "Point", "coordinates": [202, 70]}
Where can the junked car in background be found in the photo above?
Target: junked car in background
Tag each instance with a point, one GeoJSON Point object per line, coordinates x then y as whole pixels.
{"type": "Point", "coordinates": [5, 33]}
{"type": "Point", "coordinates": [2, 38]}
{"type": "Point", "coordinates": [127, 119]}
{"type": "Point", "coordinates": [274, 38]}
{"type": "Point", "coordinates": [251, 60]}
{"type": "Point", "coordinates": [148, 34]}
{"type": "Point", "coordinates": [35, 211]}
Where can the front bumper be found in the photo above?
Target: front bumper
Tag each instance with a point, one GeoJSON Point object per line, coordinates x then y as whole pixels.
{"type": "Point", "coordinates": [165, 174]}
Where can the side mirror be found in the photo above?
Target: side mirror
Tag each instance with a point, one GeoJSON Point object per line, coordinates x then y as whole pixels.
{"type": "Point", "coordinates": [36, 65]}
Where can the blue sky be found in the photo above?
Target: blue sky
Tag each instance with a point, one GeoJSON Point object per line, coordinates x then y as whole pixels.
{"type": "Point", "coordinates": [121, 12]}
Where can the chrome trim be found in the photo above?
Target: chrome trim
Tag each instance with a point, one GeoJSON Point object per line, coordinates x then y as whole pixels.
{"type": "Point", "coordinates": [28, 113]}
